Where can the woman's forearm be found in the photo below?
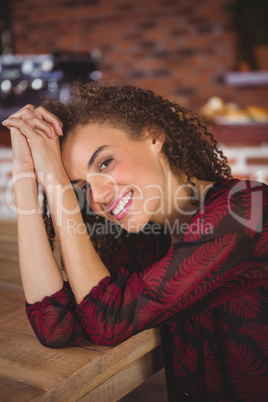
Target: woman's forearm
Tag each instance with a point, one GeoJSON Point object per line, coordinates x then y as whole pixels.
{"type": "Point", "coordinates": [39, 271]}
{"type": "Point", "coordinates": [82, 263]}
{"type": "Point", "coordinates": [33, 147]}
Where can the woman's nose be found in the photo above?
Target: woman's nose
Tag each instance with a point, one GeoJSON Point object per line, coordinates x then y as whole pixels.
{"type": "Point", "coordinates": [101, 190]}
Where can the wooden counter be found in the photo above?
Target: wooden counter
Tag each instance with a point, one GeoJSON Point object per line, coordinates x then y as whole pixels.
{"type": "Point", "coordinates": [87, 372]}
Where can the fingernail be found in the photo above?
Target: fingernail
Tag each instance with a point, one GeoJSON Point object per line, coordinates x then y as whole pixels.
{"type": "Point", "coordinates": [60, 131]}
{"type": "Point", "coordinates": [4, 122]}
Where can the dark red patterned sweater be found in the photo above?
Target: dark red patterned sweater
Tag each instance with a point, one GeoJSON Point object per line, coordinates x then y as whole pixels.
{"type": "Point", "coordinates": [208, 293]}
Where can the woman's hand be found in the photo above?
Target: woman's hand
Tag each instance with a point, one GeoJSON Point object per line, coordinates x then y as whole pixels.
{"type": "Point", "coordinates": [38, 118]}
{"type": "Point", "coordinates": [39, 147]}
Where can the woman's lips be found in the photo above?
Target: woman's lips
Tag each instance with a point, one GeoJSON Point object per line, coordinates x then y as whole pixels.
{"type": "Point", "coordinates": [120, 205]}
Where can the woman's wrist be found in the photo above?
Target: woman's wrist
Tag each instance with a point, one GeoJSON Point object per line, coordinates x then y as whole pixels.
{"type": "Point", "coordinates": [53, 180]}
{"type": "Point", "coordinates": [22, 172]}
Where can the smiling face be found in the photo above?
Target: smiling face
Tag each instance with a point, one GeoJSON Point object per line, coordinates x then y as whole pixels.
{"type": "Point", "coordinates": [123, 180]}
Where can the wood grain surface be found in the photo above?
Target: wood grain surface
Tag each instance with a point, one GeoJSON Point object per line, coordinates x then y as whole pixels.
{"type": "Point", "coordinates": [87, 372]}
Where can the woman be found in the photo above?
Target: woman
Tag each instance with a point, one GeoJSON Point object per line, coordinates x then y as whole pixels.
{"type": "Point", "coordinates": [193, 262]}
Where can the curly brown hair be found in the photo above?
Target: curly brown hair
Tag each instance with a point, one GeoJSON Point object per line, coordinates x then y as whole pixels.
{"type": "Point", "coordinates": [188, 145]}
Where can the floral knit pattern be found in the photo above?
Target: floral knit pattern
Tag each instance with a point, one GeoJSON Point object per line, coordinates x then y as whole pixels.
{"type": "Point", "coordinates": [208, 293]}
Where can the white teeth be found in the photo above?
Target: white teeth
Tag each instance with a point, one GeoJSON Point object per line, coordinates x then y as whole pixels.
{"type": "Point", "coordinates": [122, 204]}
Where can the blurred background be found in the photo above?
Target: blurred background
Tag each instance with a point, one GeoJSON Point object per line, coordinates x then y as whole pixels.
{"type": "Point", "coordinates": [210, 56]}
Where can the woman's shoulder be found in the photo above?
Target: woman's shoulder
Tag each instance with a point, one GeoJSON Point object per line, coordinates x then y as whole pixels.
{"type": "Point", "coordinates": [243, 200]}
{"type": "Point", "coordinates": [236, 189]}
{"type": "Point", "coordinates": [230, 206]}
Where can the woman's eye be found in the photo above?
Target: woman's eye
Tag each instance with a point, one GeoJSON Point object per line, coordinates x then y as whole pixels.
{"type": "Point", "coordinates": [105, 163]}
{"type": "Point", "coordinates": [85, 188]}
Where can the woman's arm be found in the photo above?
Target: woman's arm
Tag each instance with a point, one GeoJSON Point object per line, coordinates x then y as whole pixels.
{"type": "Point", "coordinates": [55, 320]}
{"type": "Point", "coordinates": [39, 271]}
{"type": "Point", "coordinates": [83, 266]}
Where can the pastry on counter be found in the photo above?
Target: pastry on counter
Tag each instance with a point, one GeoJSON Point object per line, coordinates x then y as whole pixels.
{"type": "Point", "coordinates": [258, 114]}
{"type": "Point", "coordinates": [220, 112]}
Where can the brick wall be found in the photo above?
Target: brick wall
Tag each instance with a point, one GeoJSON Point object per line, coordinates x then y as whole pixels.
{"type": "Point", "coordinates": [180, 48]}
{"type": "Point", "coordinates": [246, 148]}
{"type": "Point", "coordinates": [248, 162]}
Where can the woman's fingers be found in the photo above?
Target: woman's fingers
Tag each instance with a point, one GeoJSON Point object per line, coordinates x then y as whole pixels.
{"type": "Point", "coordinates": [26, 111]}
{"type": "Point", "coordinates": [34, 122]}
{"type": "Point", "coordinates": [20, 112]}
{"type": "Point", "coordinates": [30, 128]}
{"type": "Point", "coordinates": [49, 119]}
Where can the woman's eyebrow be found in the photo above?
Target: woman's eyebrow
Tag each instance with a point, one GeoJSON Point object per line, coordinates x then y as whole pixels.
{"type": "Point", "coordinates": [95, 154]}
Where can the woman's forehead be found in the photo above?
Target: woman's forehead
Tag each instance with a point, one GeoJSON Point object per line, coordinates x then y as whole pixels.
{"type": "Point", "coordinates": [96, 132]}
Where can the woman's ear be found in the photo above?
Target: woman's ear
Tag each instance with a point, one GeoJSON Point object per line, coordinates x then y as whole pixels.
{"type": "Point", "coordinates": [157, 139]}
{"type": "Point", "coordinates": [158, 143]}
